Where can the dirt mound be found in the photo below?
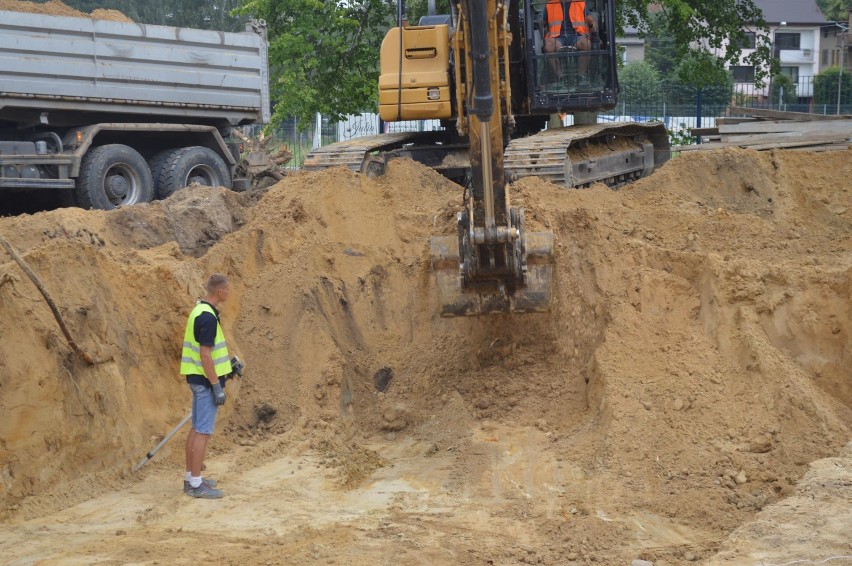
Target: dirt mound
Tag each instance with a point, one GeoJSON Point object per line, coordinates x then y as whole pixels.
{"type": "Point", "coordinates": [694, 362]}
{"type": "Point", "coordinates": [57, 8]}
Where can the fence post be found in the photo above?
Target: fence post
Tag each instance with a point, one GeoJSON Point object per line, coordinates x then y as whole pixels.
{"type": "Point", "coordinates": [840, 72]}
{"type": "Point", "coordinates": [698, 108]}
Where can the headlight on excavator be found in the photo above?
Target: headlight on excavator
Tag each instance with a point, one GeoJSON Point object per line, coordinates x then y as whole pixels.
{"type": "Point", "coordinates": [433, 93]}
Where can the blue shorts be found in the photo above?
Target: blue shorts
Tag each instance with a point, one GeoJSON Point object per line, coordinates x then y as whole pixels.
{"type": "Point", "coordinates": [203, 408]}
{"type": "Point", "coordinates": [569, 40]}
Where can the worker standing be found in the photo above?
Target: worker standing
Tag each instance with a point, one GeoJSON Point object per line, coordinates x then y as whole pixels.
{"type": "Point", "coordinates": [204, 361]}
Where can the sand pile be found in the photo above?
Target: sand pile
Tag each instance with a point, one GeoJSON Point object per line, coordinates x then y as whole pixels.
{"type": "Point", "coordinates": [58, 8]}
{"type": "Point", "coordinates": [696, 359]}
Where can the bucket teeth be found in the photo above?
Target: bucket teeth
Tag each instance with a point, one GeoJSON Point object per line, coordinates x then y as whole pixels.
{"type": "Point", "coordinates": [487, 298]}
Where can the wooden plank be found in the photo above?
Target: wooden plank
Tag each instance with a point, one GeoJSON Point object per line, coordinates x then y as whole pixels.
{"type": "Point", "coordinates": [781, 115]}
{"type": "Point", "coordinates": [704, 131]}
{"type": "Point", "coordinates": [787, 137]}
{"type": "Point", "coordinates": [790, 144]}
{"type": "Point", "coordinates": [789, 126]}
{"type": "Point", "coordinates": [705, 146]}
{"type": "Point", "coordinates": [803, 144]}
{"type": "Point", "coordinates": [820, 148]}
{"type": "Point", "coordinates": [728, 121]}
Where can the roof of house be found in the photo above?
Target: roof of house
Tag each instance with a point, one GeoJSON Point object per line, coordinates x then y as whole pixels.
{"type": "Point", "coordinates": [794, 12]}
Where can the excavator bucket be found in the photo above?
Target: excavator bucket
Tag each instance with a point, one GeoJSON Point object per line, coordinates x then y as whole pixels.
{"type": "Point", "coordinates": [459, 299]}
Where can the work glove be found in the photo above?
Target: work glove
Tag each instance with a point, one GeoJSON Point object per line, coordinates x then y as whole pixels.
{"type": "Point", "coordinates": [218, 393]}
{"type": "Point", "coordinates": [237, 366]}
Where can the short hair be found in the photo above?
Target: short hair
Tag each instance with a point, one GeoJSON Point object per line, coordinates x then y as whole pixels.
{"type": "Point", "coordinates": [217, 281]}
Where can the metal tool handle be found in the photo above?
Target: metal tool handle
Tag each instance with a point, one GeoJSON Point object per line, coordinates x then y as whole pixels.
{"type": "Point", "coordinates": [154, 450]}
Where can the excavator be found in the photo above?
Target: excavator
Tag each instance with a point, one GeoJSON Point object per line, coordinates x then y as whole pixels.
{"type": "Point", "coordinates": [483, 72]}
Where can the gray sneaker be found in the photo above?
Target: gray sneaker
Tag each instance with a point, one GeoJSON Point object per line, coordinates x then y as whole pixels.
{"type": "Point", "coordinates": [204, 491]}
{"type": "Point", "coordinates": [208, 481]}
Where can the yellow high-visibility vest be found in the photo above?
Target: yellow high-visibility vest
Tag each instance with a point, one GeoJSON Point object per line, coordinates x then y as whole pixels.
{"type": "Point", "coordinates": [190, 361]}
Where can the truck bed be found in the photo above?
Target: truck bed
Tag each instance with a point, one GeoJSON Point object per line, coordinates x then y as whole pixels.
{"type": "Point", "coordinates": [59, 64]}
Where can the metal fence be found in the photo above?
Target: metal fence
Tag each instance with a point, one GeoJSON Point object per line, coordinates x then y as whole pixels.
{"type": "Point", "coordinates": [679, 107]}
{"type": "Point", "coordinates": [824, 94]}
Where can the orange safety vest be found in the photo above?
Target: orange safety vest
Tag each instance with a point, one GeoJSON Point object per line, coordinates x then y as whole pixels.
{"type": "Point", "coordinates": [577, 11]}
{"type": "Point", "coordinates": [556, 15]}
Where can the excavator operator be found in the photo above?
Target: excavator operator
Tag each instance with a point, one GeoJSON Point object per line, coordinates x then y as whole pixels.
{"type": "Point", "coordinates": [574, 36]}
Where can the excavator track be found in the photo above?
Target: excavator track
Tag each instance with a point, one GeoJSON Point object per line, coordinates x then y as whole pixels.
{"type": "Point", "coordinates": [353, 153]}
{"type": "Point", "coordinates": [578, 156]}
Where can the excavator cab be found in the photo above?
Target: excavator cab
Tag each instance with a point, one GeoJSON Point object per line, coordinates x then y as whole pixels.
{"type": "Point", "coordinates": [579, 73]}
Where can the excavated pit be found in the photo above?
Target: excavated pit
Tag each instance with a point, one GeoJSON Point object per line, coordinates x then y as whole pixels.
{"type": "Point", "coordinates": [695, 362]}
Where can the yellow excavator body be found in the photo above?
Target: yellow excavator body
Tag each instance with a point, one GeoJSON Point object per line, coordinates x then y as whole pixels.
{"type": "Point", "coordinates": [489, 73]}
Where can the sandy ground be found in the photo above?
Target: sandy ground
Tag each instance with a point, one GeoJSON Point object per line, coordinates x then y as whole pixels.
{"type": "Point", "coordinates": [687, 399]}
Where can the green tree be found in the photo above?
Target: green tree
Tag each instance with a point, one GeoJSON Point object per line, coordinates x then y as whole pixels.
{"type": "Point", "coordinates": [703, 25]}
{"type": "Point", "coordinates": [662, 54]}
{"type": "Point", "coordinates": [835, 10]}
{"type": "Point", "coordinates": [661, 50]}
{"type": "Point", "coordinates": [416, 8]}
{"type": "Point", "coordinates": [703, 70]}
{"type": "Point", "coordinates": [701, 76]}
{"type": "Point", "coordinates": [641, 87]}
{"type": "Point", "coordinates": [323, 54]}
{"type": "Point", "coordinates": [782, 88]}
{"type": "Point", "coordinates": [825, 88]}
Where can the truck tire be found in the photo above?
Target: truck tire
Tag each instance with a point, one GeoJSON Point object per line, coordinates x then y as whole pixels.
{"type": "Point", "coordinates": [190, 165]}
{"type": "Point", "coordinates": [111, 176]}
{"type": "Point", "coordinates": [156, 163]}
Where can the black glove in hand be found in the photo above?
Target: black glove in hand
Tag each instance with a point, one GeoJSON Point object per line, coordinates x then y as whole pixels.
{"type": "Point", "coordinates": [218, 393]}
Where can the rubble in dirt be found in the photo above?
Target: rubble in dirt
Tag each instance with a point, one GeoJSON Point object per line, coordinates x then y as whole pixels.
{"type": "Point", "coordinates": [694, 363]}
{"type": "Point", "coordinates": [58, 8]}
{"type": "Point", "coordinates": [809, 527]}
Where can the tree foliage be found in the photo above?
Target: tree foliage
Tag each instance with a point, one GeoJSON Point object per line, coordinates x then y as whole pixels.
{"type": "Point", "coordinates": [640, 84]}
{"type": "Point", "coordinates": [783, 88]}
{"type": "Point", "coordinates": [323, 54]}
{"type": "Point", "coordinates": [826, 87]}
{"type": "Point", "coordinates": [414, 9]}
{"type": "Point", "coordinates": [715, 26]}
{"type": "Point", "coordinates": [662, 54]}
{"type": "Point", "coordinates": [703, 70]}
{"type": "Point", "coordinates": [835, 10]}
{"type": "Point", "coordinates": [661, 50]}
{"type": "Point", "coordinates": [702, 77]}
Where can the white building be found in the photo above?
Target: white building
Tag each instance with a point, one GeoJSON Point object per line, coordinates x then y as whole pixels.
{"type": "Point", "coordinates": [796, 29]}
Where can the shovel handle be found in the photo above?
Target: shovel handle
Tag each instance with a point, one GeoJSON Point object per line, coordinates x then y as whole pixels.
{"type": "Point", "coordinates": [154, 450]}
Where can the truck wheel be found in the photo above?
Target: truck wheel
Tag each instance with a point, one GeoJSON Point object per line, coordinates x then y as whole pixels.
{"type": "Point", "coordinates": [111, 176]}
{"type": "Point", "coordinates": [190, 165]}
{"type": "Point", "coordinates": [156, 163]}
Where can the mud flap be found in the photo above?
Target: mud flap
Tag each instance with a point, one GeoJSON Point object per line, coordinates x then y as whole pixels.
{"type": "Point", "coordinates": [473, 300]}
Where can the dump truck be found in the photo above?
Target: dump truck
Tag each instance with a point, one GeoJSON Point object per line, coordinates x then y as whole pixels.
{"type": "Point", "coordinates": [115, 113]}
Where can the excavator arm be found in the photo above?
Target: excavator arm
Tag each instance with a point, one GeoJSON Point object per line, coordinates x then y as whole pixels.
{"type": "Point", "coordinates": [492, 264]}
